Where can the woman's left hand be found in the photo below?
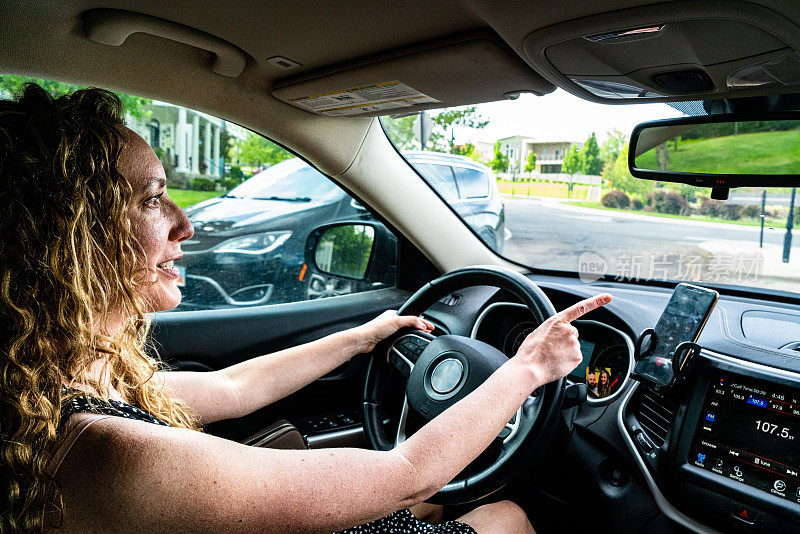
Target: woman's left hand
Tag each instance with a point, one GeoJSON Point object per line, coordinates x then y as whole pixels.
{"type": "Point", "coordinates": [386, 324]}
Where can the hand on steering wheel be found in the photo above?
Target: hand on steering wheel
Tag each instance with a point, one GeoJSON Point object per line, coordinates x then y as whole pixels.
{"type": "Point", "coordinates": [385, 325]}
{"type": "Point", "coordinates": [441, 371]}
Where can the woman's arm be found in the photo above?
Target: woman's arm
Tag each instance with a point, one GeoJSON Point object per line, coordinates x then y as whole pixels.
{"type": "Point", "coordinates": [245, 387]}
{"type": "Point", "coordinates": [157, 479]}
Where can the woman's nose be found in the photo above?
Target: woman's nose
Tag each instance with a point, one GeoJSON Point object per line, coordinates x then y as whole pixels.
{"type": "Point", "coordinates": [182, 229]}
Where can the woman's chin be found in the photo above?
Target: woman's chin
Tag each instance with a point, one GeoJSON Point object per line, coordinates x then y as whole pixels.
{"type": "Point", "coordinates": [164, 298]}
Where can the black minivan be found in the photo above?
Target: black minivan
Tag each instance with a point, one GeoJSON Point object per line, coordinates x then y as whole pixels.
{"type": "Point", "coordinates": [248, 246]}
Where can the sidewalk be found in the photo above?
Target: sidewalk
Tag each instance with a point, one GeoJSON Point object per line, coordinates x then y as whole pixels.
{"type": "Point", "coordinates": [564, 204]}
{"type": "Point", "coordinates": [769, 258]}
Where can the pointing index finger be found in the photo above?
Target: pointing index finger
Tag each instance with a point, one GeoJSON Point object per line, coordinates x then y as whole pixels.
{"type": "Point", "coordinates": [585, 306]}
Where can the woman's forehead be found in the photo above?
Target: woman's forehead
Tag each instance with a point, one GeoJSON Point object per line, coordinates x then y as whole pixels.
{"type": "Point", "coordinates": [138, 162]}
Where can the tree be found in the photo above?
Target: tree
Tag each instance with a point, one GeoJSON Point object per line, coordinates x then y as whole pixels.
{"type": "Point", "coordinates": [443, 136]}
{"type": "Point", "coordinates": [612, 146]}
{"type": "Point", "coordinates": [255, 150]}
{"type": "Point", "coordinates": [591, 156]}
{"type": "Point", "coordinates": [573, 163]}
{"type": "Point", "coordinates": [401, 129]}
{"type": "Point", "coordinates": [500, 161]}
{"type": "Point", "coordinates": [13, 85]}
{"type": "Point", "coordinates": [616, 175]}
{"type": "Point", "coordinates": [530, 163]}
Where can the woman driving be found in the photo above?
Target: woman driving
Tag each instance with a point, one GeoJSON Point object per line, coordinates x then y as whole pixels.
{"type": "Point", "coordinates": [97, 437]}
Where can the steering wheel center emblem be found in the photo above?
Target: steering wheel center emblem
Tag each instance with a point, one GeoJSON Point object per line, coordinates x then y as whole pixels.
{"type": "Point", "coordinates": [446, 375]}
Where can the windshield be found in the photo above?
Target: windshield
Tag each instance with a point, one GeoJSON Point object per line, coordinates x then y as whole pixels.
{"type": "Point", "coordinates": [292, 180]}
{"type": "Point", "coordinates": [559, 167]}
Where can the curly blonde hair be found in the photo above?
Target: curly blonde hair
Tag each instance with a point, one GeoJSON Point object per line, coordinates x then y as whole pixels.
{"type": "Point", "coordinates": [69, 260]}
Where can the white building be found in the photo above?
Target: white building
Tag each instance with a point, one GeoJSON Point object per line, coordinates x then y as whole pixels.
{"type": "Point", "coordinates": [549, 154]}
{"type": "Point", "coordinates": [190, 139]}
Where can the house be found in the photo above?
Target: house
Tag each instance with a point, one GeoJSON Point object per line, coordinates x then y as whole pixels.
{"type": "Point", "coordinates": [484, 150]}
{"type": "Point", "coordinates": [190, 140]}
{"type": "Point", "coordinates": [549, 154]}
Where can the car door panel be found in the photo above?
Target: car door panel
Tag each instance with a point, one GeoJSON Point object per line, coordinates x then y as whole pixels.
{"type": "Point", "coordinates": [214, 339]}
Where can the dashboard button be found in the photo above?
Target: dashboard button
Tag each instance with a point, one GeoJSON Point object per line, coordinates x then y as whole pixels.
{"type": "Point", "coordinates": [644, 443]}
{"type": "Point", "coordinates": [744, 513]}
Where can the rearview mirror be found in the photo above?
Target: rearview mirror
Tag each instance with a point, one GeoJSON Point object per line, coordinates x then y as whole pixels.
{"type": "Point", "coordinates": [720, 152]}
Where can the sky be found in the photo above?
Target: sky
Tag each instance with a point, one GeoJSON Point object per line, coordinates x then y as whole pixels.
{"type": "Point", "coordinates": [559, 116]}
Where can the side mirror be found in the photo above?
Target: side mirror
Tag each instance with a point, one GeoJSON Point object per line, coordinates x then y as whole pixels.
{"type": "Point", "coordinates": [363, 251]}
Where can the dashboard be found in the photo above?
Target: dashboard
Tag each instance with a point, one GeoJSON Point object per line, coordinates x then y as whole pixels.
{"type": "Point", "coordinates": [718, 452]}
{"type": "Point", "coordinates": [607, 352]}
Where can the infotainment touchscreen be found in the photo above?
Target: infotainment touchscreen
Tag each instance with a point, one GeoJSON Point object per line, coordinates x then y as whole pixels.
{"type": "Point", "coordinates": [749, 431]}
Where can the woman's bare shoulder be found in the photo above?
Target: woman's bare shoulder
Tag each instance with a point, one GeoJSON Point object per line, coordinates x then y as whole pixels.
{"type": "Point", "coordinates": [123, 475]}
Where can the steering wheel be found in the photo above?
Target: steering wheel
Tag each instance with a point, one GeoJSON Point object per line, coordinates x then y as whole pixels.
{"type": "Point", "coordinates": [442, 370]}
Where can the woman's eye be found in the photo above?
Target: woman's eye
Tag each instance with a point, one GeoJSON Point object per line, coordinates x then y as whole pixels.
{"type": "Point", "coordinates": [154, 201]}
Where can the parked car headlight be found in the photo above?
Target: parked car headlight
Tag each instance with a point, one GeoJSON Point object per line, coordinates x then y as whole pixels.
{"type": "Point", "coordinates": [254, 243]}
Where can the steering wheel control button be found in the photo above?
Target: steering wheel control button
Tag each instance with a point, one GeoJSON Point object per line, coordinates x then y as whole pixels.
{"type": "Point", "coordinates": [446, 375]}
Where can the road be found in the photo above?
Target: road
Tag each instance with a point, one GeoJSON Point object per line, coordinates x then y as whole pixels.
{"type": "Point", "coordinates": [553, 235]}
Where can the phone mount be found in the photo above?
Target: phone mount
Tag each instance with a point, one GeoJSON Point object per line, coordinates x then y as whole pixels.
{"type": "Point", "coordinates": [659, 370]}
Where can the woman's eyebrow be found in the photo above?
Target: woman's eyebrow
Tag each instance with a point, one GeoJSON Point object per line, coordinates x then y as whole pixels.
{"type": "Point", "coordinates": [158, 182]}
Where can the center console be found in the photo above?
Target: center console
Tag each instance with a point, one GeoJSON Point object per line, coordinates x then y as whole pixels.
{"type": "Point", "coordinates": [722, 451]}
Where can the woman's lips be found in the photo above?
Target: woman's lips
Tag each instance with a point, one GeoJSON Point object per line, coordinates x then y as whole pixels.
{"type": "Point", "coordinates": [168, 268]}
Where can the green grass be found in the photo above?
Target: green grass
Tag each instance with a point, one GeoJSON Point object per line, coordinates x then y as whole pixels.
{"type": "Point", "coordinates": [702, 218]}
{"type": "Point", "coordinates": [754, 153]}
{"type": "Point", "coordinates": [184, 198]}
{"type": "Point", "coordinates": [541, 189]}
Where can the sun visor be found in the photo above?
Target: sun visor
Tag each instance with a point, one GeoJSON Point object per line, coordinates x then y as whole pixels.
{"type": "Point", "coordinates": [669, 52]}
{"type": "Point", "coordinates": [457, 72]}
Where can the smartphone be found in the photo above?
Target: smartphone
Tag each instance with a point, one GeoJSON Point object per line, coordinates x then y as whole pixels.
{"type": "Point", "coordinates": [682, 320]}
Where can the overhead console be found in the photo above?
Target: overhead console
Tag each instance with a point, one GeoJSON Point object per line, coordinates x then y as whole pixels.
{"type": "Point", "coordinates": [670, 52]}
{"type": "Point", "coordinates": [468, 69]}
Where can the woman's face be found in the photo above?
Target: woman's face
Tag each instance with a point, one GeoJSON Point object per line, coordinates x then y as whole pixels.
{"type": "Point", "coordinates": [603, 378]}
{"type": "Point", "coordinates": [157, 222]}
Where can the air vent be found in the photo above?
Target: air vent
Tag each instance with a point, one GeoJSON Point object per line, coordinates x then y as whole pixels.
{"type": "Point", "coordinates": [450, 300]}
{"type": "Point", "coordinates": [655, 411]}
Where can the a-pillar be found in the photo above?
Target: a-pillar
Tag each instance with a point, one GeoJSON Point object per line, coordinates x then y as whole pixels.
{"type": "Point", "coordinates": [215, 162]}
{"type": "Point", "coordinates": [207, 149]}
{"type": "Point", "coordinates": [196, 144]}
{"type": "Point", "coordinates": [180, 142]}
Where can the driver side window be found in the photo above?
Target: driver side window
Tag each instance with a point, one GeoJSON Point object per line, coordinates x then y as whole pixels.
{"type": "Point", "coordinates": [253, 206]}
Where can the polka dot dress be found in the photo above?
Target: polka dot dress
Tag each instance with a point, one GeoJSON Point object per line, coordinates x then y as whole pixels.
{"type": "Point", "coordinates": [404, 522]}
{"type": "Point", "coordinates": [87, 403]}
{"type": "Point", "coordinates": [400, 522]}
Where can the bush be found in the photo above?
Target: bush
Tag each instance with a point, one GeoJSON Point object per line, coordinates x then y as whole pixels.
{"type": "Point", "coordinates": [637, 204]}
{"type": "Point", "coordinates": [711, 208]}
{"type": "Point", "coordinates": [236, 174]}
{"type": "Point", "coordinates": [732, 212]}
{"type": "Point", "coordinates": [204, 184]}
{"type": "Point", "coordinates": [751, 212]}
{"type": "Point", "coordinates": [668, 202]}
{"type": "Point", "coordinates": [229, 183]}
{"type": "Point", "coordinates": [615, 199]}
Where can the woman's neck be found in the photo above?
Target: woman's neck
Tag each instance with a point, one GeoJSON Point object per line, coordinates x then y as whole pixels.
{"type": "Point", "coordinates": [97, 372]}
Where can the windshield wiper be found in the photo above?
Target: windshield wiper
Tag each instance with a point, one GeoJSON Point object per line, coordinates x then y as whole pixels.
{"type": "Point", "coordinates": [230, 196]}
{"type": "Point", "coordinates": [288, 199]}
